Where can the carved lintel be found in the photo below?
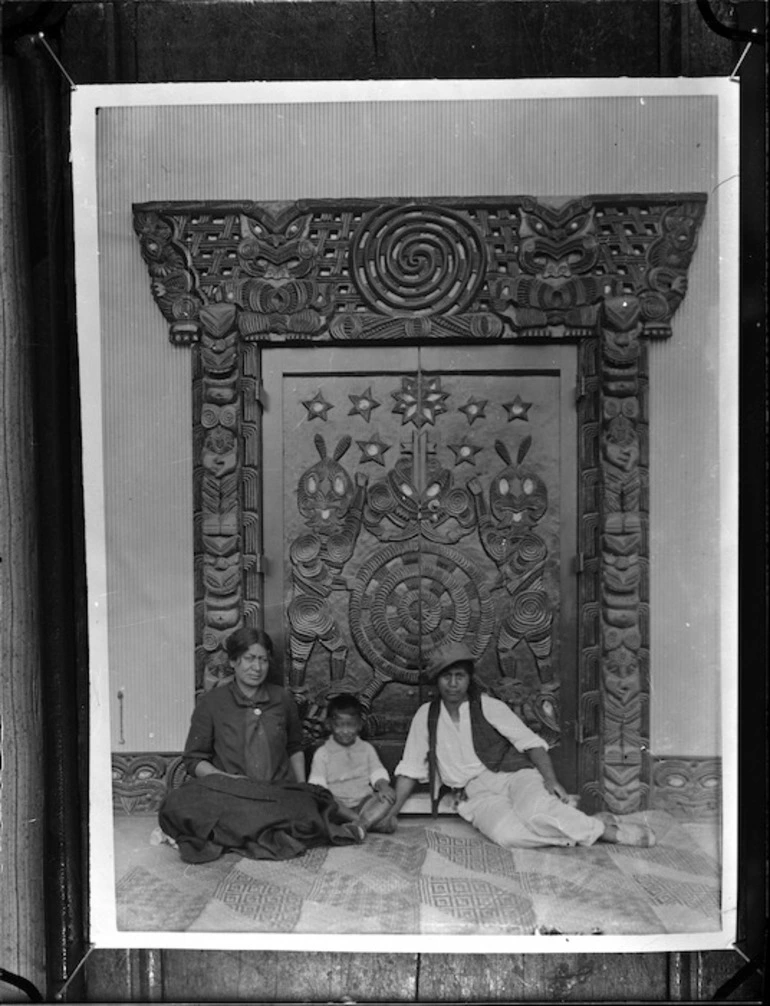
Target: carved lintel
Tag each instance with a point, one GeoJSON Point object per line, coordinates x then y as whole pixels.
{"type": "Point", "coordinates": [393, 270]}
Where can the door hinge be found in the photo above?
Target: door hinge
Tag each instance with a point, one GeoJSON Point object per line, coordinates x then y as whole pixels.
{"type": "Point", "coordinates": [261, 563]}
{"type": "Point", "coordinates": [262, 398]}
{"type": "Point", "coordinates": [579, 562]}
{"type": "Point", "coordinates": [580, 389]}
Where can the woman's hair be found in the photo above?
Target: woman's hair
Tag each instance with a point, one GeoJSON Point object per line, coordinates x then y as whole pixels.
{"type": "Point", "coordinates": [239, 641]}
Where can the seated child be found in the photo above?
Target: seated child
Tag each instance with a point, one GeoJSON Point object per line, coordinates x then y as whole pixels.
{"type": "Point", "coordinates": [350, 768]}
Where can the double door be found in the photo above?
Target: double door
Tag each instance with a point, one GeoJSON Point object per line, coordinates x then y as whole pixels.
{"type": "Point", "coordinates": [414, 496]}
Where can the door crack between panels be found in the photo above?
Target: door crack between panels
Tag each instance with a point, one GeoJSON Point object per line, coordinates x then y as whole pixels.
{"type": "Point", "coordinates": [373, 11]}
{"type": "Point", "coordinates": [418, 447]}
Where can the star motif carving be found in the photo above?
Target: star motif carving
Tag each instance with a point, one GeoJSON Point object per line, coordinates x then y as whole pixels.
{"type": "Point", "coordinates": [517, 409]}
{"type": "Point", "coordinates": [474, 409]}
{"type": "Point", "coordinates": [420, 400]}
{"type": "Point", "coordinates": [373, 449]}
{"type": "Point", "coordinates": [364, 404]}
{"type": "Point", "coordinates": [317, 406]}
{"type": "Point", "coordinates": [464, 453]}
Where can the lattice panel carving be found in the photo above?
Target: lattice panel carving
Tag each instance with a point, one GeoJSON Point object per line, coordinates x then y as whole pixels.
{"type": "Point", "coordinates": [604, 272]}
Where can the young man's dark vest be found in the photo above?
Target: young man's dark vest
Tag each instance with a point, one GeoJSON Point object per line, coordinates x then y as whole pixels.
{"type": "Point", "coordinates": [494, 750]}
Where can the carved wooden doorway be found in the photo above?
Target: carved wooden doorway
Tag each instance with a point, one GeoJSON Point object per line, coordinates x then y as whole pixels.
{"type": "Point", "coordinates": [415, 495]}
{"type": "Point", "coordinates": [597, 277]}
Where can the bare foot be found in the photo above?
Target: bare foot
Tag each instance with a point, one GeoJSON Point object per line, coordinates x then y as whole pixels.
{"type": "Point", "coordinates": [356, 830]}
{"type": "Point", "coordinates": [386, 826]}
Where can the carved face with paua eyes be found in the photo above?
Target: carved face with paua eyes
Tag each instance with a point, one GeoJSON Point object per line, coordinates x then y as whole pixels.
{"type": "Point", "coordinates": [409, 495]}
{"type": "Point", "coordinates": [325, 490]}
{"type": "Point", "coordinates": [277, 247]}
{"type": "Point", "coordinates": [557, 243]}
{"type": "Point", "coordinates": [518, 497]}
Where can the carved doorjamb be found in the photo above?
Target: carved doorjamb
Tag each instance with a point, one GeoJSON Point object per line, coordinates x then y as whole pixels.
{"type": "Point", "coordinates": [603, 272]}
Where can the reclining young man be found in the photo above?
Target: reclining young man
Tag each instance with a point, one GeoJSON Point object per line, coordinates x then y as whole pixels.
{"type": "Point", "coordinates": [499, 769]}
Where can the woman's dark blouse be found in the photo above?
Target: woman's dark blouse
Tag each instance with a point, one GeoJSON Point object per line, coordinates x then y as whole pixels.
{"type": "Point", "coordinates": [242, 736]}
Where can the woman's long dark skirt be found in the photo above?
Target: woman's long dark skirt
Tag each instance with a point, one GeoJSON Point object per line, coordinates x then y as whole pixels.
{"type": "Point", "coordinates": [262, 820]}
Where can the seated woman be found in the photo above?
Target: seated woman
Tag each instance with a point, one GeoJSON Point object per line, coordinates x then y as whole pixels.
{"type": "Point", "coordinates": [244, 752]}
{"type": "Point", "coordinates": [499, 769]}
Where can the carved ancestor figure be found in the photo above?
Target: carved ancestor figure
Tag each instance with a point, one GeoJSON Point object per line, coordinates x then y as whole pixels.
{"type": "Point", "coordinates": [518, 499]}
{"type": "Point", "coordinates": [219, 525]}
{"type": "Point", "coordinates": [552, 281]}
{"type": "Point", "coordinates": [331, 504]}
{"type": "Point", "coordinates": [284, 296]}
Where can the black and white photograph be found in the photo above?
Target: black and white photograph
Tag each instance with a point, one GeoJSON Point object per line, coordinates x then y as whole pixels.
{"type": "Point", "coordinates": [410, 463]}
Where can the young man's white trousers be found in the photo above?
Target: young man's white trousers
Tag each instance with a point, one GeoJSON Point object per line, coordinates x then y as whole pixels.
{"type": "Point", "coordinates": [515, 810]}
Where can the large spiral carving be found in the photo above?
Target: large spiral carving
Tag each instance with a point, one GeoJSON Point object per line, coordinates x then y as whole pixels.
{"type": "Point", "coordinates": [417, 260]}
{"type": "Point", "coordinates": [405, 602]}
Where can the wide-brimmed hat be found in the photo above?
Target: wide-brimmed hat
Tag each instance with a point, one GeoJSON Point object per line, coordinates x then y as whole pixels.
{"type": "Point", "coordinates": [444, 657]}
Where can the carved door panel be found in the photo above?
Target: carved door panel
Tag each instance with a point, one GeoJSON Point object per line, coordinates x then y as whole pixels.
{"type": "Point", "coordinates": [416, 495]}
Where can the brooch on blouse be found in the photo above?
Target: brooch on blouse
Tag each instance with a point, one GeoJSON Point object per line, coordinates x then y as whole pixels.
{"type": "Point", "coordinates": [257, 712]}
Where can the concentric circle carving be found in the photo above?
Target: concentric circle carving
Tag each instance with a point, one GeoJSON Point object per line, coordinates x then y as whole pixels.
{"type": "Point", "coordinates": [530, 612]}
{"type": "Point", "coordinates": [530, 617]}
{"type": "Point", "coordinates": [305, 548]}
{"type": "Point", "coordinates": [405, 601]}
{"type": "Point", "coordinates": [530, 551]}
{"type": "Point", "coordinates": [417, 260]}
{"type": "Point", "coordinates": [310, 617]}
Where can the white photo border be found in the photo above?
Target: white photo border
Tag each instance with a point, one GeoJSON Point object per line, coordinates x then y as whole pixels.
{"type": "Point", "coordinates": [86, 102]}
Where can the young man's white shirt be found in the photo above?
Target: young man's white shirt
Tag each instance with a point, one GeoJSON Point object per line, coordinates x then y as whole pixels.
{"type": "Point", "coordinates": [456, 757]}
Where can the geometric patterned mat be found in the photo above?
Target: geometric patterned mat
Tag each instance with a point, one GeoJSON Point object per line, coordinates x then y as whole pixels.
{"type": "Point", "coordinates": [432, 876]}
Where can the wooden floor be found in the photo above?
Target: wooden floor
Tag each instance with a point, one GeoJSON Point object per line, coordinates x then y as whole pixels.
{"type": "Point", "coordinates": [434, 876]}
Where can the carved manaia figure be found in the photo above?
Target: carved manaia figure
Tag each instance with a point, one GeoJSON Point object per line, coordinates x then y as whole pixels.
{"type": "Point", "coordinates": [518, 498]}
{"type": "Point", "coordinates": [331, 504]}
{"type": "Point", "coordinates": [403, 504]}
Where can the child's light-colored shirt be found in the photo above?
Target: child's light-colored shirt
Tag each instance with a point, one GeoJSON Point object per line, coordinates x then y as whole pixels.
{"type": "Point", "coordinates": [348, 772]}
